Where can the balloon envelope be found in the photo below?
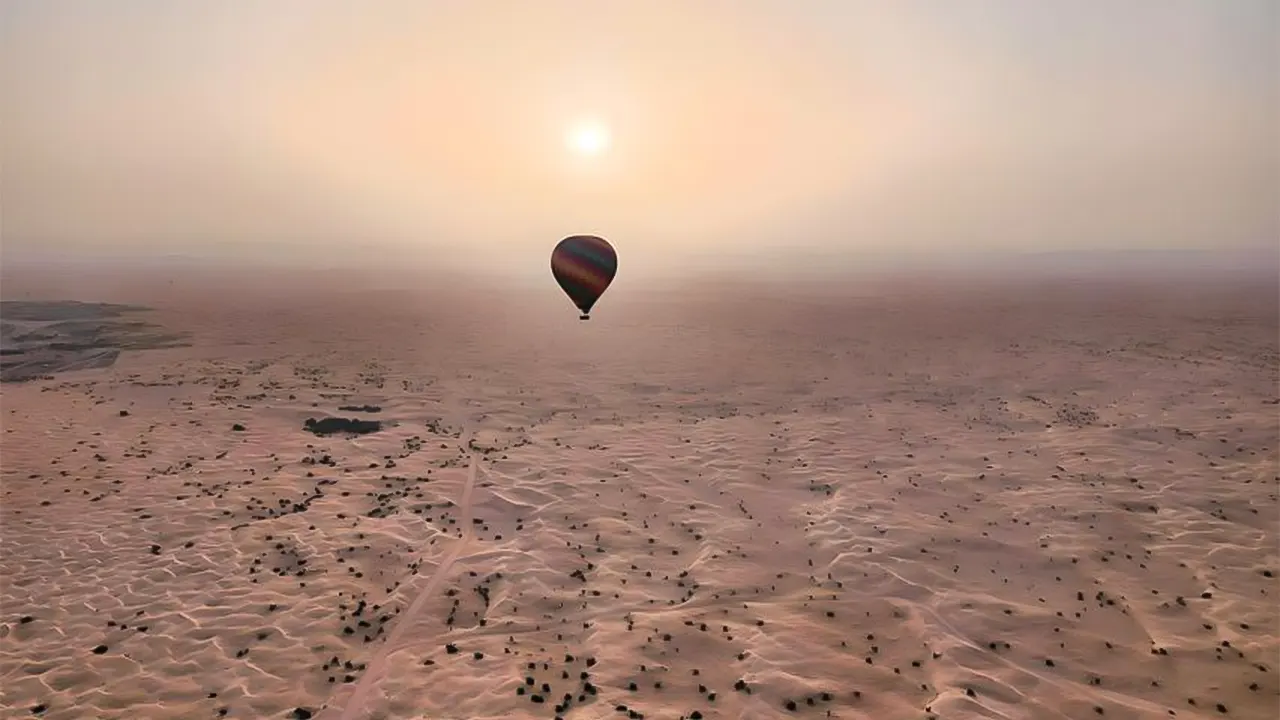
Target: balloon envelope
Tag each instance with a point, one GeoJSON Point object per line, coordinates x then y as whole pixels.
{"type": "Point", "coordinates": [584, 265]}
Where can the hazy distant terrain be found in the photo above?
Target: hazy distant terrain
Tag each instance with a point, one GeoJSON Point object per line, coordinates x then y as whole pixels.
{"type": "Point", "coordinates": [41, 338]}
{"type": "Point", "coordinates": [448, 498]}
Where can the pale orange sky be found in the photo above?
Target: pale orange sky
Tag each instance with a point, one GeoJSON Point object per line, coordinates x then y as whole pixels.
{"type": "Point", "coordinates": [745, 128]}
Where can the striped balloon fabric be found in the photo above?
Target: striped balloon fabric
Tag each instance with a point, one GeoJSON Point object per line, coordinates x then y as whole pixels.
{"type": "Point", "coordinates": [584, 265]}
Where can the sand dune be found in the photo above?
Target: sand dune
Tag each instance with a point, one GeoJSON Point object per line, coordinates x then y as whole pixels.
{"type": "Point", "coordinates": [948, 502]}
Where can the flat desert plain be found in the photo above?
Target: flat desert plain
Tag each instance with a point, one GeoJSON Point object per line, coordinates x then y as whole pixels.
{"type": "Point", "coordinates": [305, 496]}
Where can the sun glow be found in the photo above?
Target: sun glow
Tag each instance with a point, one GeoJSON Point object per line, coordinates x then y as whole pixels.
{"type": "Point", "coordinates": [588, 138]}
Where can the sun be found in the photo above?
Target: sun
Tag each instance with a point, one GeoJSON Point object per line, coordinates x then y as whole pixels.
{"type": "Point", "coordinates": [588, 138]}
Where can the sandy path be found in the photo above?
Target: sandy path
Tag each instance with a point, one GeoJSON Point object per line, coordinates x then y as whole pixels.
{"type": "Point", "coordinates": [357, 702]}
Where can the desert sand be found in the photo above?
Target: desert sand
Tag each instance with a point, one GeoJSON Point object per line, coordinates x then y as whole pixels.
{"type": "Point", "coordinates": [870, 500]}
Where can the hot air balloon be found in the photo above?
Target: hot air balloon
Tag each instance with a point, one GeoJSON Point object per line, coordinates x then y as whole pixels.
{"type": "Point", "coordinates": [584, 265]}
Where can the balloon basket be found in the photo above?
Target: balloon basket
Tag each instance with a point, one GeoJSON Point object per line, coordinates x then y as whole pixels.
{"type": "Point", "coordinates": [584, 316]}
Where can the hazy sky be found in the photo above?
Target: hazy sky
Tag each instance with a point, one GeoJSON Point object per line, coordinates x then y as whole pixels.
{"type": "Point", "coordinates": [740, 127]}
